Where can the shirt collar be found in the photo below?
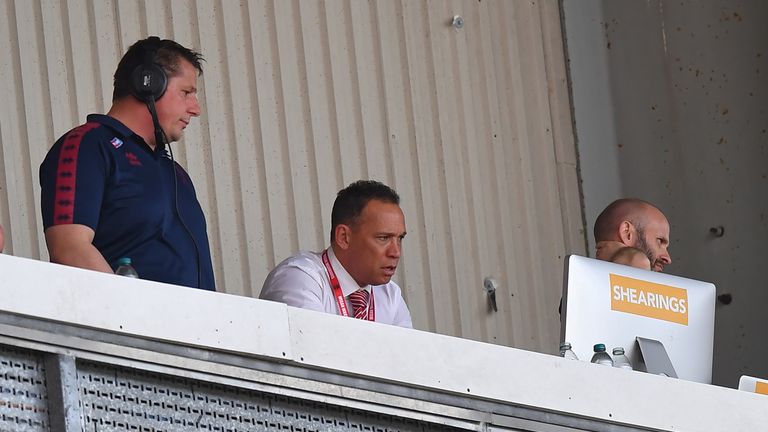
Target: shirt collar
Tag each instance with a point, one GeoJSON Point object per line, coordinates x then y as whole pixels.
{"type": "Point", "coordinates": [348, 284]}
{"type": "Point", "coordinates": [121, 129]}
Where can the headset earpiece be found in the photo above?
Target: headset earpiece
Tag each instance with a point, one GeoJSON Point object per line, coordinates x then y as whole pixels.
{"type": "Point", "coordinates": [149, 79]}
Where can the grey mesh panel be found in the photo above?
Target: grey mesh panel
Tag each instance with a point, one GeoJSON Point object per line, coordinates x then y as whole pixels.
{"type": "Point", "coordinates": [23, 396]}
{"type": "Point", "coordinates": [119, 399]}
{"type": "Point", "coordinates": [105, 397]}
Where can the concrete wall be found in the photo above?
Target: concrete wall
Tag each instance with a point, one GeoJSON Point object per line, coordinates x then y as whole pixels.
{"type": "Point", "coordinates": [670, 104]}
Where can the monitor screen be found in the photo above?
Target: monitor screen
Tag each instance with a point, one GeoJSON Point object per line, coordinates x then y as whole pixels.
{"type": "Point", "coordinates": [613, 304]}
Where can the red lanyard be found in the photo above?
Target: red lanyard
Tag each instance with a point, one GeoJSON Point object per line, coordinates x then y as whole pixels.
{"type": "Point", "coordinates": [340, 294]}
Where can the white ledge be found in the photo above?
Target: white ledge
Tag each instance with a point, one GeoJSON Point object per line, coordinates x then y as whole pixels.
{"type": "Point", "coordinates": [408, 357]}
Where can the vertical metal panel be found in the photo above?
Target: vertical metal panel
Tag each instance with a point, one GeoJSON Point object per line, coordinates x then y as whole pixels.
{"type": "Point", "coordinates": [401, 136]}
{"type": "Point", "coordinates": [430, 186]}
{"type": "Point", "coordinates": [341, 53]}
{"type": "Point", "coordinates": [222, 112]}
{"type": "Point", "coordinates": [28, 123]}
{"type": "Point", "coordinates": [322, 116]}
{"type": "Point", "coordinates": [472, 127]}
{"type": "Point", "coordinates": [281, 222]}
{"type": "Point", "coordinates": [10, 121]}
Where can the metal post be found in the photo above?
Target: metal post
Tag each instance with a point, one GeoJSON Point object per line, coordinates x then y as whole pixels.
{"type": "Point", "coordinates": [63, 394]}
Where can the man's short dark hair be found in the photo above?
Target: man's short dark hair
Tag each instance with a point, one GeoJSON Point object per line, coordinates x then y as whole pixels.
{"type": "Point", "coordinates": [167, 55]}
{"type": "Point", "coordinates": [351, 201]}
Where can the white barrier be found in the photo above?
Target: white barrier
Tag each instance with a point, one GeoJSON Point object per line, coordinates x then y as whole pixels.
{"type": "Point", "coordinates": [411, 360]}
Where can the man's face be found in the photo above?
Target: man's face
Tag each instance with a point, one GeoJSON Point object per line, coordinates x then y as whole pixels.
{"type": "Point", "coordinates": [179, 104]}
{"type": "Point", "coordinates": [653, 239]}
{"type": "Point", "coordinates": [375, 243]}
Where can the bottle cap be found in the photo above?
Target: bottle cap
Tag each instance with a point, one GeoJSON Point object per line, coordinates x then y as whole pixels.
{"type": "Point", "coordinates": [599, 348]}
{"type": "Point", "coordinates": [124, 261]}
{"type": "Point", "coordinates": [618, 351]}
{"type": "Point", "coordinates": [565, 346]}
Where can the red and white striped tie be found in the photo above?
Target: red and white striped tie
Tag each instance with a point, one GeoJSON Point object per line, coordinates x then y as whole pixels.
{"type": "Point", "coordinates": [359, 300]}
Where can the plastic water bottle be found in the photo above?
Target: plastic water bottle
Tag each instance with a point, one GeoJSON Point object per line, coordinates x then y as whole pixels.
{"type": "Point", "coordinates": [620, 360]}
{"type": "Point", "coordinates": [566, 352]}
{"type": "Point", "coordinates": [600, 356]}
{"type": "Point", "coordinates": [124, 268]}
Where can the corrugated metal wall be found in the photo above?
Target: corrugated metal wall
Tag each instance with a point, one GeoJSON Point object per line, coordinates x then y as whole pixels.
{"type": "Point", "coordinates": [472, 126]}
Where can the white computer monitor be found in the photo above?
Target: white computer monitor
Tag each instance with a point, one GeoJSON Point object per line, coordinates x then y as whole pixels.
{"type": "Point", "coordinates": [614, 304]}
{"type": "Point", "coordinates": [753, 384]}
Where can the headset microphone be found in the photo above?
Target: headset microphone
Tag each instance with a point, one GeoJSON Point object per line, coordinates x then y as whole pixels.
{"type": "Point", "coordinates": [160, 138]}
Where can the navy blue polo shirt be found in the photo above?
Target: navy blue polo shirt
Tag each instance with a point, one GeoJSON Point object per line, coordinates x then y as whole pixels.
{"type": "Point", "coordinates": [106, 177]}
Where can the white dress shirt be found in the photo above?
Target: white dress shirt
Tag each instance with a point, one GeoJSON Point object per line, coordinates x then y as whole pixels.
{"type": "Point", "coordinates": [302, 281]}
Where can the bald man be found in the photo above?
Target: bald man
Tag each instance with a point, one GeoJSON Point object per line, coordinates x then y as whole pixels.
{"type": "Point", "coordinates": [634, 223]}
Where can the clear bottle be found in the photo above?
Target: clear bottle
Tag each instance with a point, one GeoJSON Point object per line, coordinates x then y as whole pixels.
{"type": "Point", "coordinates": [124, 268]}
{"type": "Point", "coordinates": [600, 356]}
{"type": "Point", "coordinates": [566, 352]}
{"type": "Point", "coordinates": [620, 360]}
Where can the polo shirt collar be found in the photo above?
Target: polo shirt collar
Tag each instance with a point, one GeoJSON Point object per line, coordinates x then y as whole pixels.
{"type": "Point", "coordinates": [112, 123]}
{"type": "Point", "coordinates": [348, 284]}
{"type": "Point", "coordinates": [117, 126]}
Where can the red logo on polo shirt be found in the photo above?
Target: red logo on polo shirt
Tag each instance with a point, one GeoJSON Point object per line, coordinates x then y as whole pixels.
{"type": "Point", "coordinates": [132, 159]}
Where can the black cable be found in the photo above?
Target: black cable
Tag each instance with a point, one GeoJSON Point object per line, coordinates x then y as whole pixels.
{"type": "Point", "coordinates": [161, 141]}
{"type": "Point", "coordinates": [178, 214]}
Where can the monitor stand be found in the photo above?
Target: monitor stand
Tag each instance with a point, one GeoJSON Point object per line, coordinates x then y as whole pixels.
{"type": "Point", "coordinates": [654, 358]}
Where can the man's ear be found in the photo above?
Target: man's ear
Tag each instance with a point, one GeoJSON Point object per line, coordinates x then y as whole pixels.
{"type": "Point", "coordinates": [343, 235]}
{"type": "Point", "coordinates": [627, 233]}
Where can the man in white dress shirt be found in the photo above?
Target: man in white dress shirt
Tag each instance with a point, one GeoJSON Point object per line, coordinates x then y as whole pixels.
{"type": "Point", "coordinates": [353, 276]}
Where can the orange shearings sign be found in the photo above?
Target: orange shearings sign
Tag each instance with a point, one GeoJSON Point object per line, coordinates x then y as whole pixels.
{"type": "Point", "coordinates": [649, 299]}
{"type": "Point", "coordinates": [761, 387]}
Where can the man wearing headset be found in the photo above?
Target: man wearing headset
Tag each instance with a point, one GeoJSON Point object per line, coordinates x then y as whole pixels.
{"type": "Point", "coordinates": [110, 189]}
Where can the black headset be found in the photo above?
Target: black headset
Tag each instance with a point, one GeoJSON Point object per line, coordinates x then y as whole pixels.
{"type": "Point", "coordinates": [148, 80]}
{"type": "Point", "coordinates": [148, 84]}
